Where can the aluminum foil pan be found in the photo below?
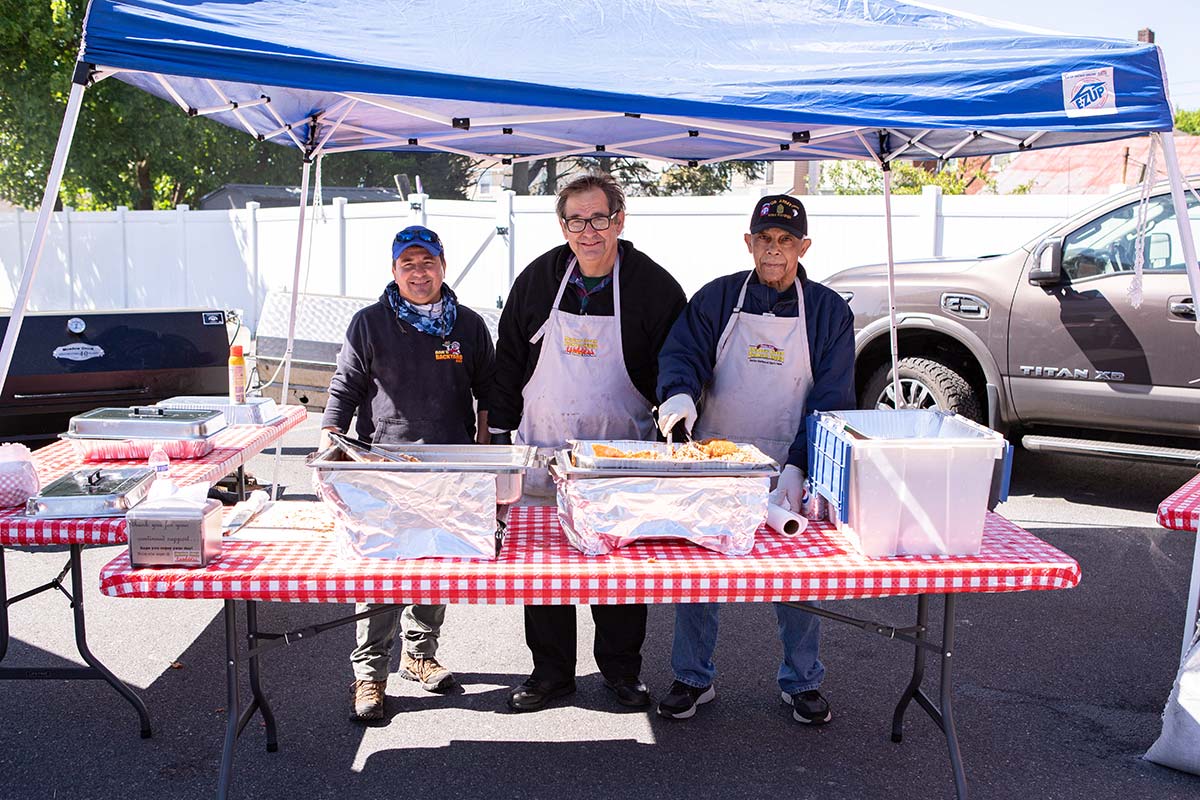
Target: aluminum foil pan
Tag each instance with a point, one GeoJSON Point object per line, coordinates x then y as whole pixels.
{"type": "Point", "coordinates": [400, 514]}
{"type": "Point", "coordinates": [719, 512]}
{"type": "Point", "coordinates": [584, 455]}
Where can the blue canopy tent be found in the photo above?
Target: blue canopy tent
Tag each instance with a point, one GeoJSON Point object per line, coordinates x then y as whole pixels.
{"type": "Point", "coordinates": [685, 81]}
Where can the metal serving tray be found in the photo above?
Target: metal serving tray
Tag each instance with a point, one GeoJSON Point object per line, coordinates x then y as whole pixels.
{"type": "Point", "coordinates": [255, 411]}
{"type": "Point", "coordinates": [106, 492]}
{"type": "Point", "coordinates": [580, 459]}
{"type": "Point", "coordinates": [146, 422]}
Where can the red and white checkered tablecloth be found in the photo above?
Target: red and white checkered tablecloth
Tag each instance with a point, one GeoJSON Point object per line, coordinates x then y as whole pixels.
{"type": "Point", "coordinates": [232, 448]}
{"type": "Point", "coordinates": [1181, 511]}
{"type": "Point", "coordinates": [537, 565]}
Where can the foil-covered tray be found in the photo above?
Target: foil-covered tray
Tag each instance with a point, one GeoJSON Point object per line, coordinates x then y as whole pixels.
{"type": "Point", "coordinates": [104, 492]}
{"type": "Point", "coordinates": [573, 467]}
{"type": "Point", "coordinates": [583, 456]}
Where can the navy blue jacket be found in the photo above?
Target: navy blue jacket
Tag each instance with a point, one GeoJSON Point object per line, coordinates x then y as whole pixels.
{"type": "Point", "coordinates": [686, 361]}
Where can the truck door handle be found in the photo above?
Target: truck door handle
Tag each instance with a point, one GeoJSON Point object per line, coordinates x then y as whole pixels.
{"type": "Point", "coordinates": [1182, 308]}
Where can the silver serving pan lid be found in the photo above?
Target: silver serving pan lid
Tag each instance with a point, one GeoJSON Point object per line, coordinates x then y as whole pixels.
{"type": "Point", "coordinates": [254, 411]}
{"type": "Point", "coordinates": [567, 465]}
{"type": "Point", "coordinates": [146, 422]}
{"type": "Point", "coordinates": [494, 458]}
{"type": "Point", "coordinates": [105, 492]}
{"type": "Point", "coordinates": [583, 455]}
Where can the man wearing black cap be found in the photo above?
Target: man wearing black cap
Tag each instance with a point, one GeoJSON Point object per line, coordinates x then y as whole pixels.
{"type": "Point", "coordinates": [750, 357]}
{"type": "Point", "coordinates": [415, 367]}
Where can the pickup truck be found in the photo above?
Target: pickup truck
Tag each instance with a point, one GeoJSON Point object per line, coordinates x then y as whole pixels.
{"type": "Point", "coordinates": [1043, 343]}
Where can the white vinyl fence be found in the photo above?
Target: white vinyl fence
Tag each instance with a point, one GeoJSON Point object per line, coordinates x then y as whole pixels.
{"type": "Point", "coordinates": [231, 259]}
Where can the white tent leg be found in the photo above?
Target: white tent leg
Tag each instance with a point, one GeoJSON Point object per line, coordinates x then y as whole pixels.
{"type": "Point", "coordinates": [287, 353]}
{"type": "Point", "coordinates": [891, 271]}
{"type": "Point", "coordinates": [34, 257]}
{"type": "Point", "coordinates": [1193, 272]}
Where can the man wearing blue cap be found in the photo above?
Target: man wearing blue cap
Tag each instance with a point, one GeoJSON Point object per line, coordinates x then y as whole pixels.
{"type": "Point", "coordinates": [750, 357]}
{"type": "Point", "coordinates": [415, 367]}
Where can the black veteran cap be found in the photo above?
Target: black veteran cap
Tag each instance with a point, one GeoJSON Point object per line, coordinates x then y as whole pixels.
{"type": "Point", "coordinates": [779, 211]}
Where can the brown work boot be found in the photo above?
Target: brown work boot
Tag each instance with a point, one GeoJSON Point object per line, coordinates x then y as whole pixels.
{"type": "Point", "coordinates": [367, 700]}
{"type": "Point", "coordinates": [426, 671]}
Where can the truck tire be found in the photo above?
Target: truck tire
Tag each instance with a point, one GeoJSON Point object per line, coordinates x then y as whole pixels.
{"type": "Point", "coordinates": [924, 383]}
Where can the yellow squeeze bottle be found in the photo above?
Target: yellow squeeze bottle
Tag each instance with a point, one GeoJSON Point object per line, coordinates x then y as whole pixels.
{"type": "Point", "coordinates": [237, 375]}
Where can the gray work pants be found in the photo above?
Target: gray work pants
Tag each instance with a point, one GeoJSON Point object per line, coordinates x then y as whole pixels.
{"type": "Point", "coordinates": [420, 625]}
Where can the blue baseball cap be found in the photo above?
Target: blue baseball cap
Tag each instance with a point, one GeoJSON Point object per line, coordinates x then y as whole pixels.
{"type": "Point", "coordinates": [416, 235]}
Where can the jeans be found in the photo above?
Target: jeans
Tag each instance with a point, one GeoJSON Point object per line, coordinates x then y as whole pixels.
{"type": "Point", "coordinates": [372, 657]}
{"type": "Point", "coordinates": [696, 639]}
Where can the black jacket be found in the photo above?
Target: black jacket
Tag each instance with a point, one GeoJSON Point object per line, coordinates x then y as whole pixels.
{"type": "Point", "coordinates": [650, 301]}
{"type": "Point", "coordinates": [407, 385]}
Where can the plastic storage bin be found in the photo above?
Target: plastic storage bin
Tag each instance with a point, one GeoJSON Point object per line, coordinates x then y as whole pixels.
{"type": "Point", "coordinates": [906, 482]}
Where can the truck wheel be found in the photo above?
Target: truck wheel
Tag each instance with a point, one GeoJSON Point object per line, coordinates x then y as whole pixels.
{"type": "Point", "coordinates": [924, 383]}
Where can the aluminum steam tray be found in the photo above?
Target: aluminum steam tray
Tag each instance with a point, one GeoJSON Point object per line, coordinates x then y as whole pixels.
{"type": "Point", "coordinates": [255, 411]}
{"type": "Point", "coordinates": [146, 422]}
{"type": "Point", "coordinates": [570, 468]}
{"type": "Point", "coordinates": [583, 457]}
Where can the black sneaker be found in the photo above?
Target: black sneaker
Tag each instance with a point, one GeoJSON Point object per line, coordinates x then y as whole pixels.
{"type": "Point", "coordinates": [681, 701]}
{"type": "Point", "coordinates": [810, 708]}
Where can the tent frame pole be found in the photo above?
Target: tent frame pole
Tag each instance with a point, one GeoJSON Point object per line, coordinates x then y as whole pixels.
{"type": "Point", "coordinates": [53, 183]}
{"type": "Point", "coordinates": [291, 337]}
{"type": "Point", "coordinates": [1175, 177]}
{"type": "Point", "coordinates": [893, 335]}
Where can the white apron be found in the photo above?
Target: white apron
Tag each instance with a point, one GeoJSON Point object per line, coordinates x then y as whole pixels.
{"type": "Point", "coordinates": [580, 388]}
{"type": "Point", "coordinates": [760, 382]}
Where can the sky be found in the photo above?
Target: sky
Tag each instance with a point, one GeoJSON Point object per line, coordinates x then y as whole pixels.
{"type": "Point", "coordinates": [1176, 26]}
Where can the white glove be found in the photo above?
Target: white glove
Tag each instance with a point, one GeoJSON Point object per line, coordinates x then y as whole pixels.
{"type": "Point", "coordinates": [791, 488]}
{"type": "Point", "coordinates": [325, 442]}
{"type": "Point", "coordinates": [677, 407]}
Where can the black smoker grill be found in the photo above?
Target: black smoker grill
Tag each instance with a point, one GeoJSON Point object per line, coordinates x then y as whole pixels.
{"type": "Point", "coordinates": [67, 363]}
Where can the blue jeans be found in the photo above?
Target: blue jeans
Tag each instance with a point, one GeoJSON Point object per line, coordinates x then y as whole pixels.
{"type": "Point", "coordinates": [696, 639]}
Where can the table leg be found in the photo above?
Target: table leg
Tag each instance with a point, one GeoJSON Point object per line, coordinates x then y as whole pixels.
{"type": "Point", "coordinates": [3, 608]}
{"type": "Point", "coordinates": [82, 646]}
{"type": "Point", "coordinates": [260, 699]}
{"type": "Point", "coordinates": [232, 699]}
{"type": "Point", "coordinates": [943, 712]}
{"type": "Point", "coordinates": [241, 483]}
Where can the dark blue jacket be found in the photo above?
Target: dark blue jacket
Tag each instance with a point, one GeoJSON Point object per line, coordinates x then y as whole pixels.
{"type": "Point", "coordinates": [685, 363]}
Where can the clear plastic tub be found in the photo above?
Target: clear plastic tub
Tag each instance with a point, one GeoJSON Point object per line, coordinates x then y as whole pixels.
{"type": "Point", "coordinates": [907, 482]}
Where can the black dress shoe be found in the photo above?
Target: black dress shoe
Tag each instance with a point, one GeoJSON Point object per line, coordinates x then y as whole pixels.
{"type": "Point", "coordinates": [630, 692]}
{"type": "Point", "coordinates": [534, 695]}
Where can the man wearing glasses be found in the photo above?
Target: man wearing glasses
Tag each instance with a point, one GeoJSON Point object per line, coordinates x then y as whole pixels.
{"type": "Point", "coordinates": [414, 366]}
{"type": "Point", "coordinates": [577, 358]}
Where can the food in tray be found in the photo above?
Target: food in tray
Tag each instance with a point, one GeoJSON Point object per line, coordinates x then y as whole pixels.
{"type": "Point", "coordinates": [703, 450]}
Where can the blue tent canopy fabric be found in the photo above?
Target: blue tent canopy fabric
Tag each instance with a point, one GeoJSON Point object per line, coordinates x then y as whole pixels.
{"type": "Point", "coordinates": [680, 80]}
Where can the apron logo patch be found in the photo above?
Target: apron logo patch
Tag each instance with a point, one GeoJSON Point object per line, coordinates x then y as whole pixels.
{"type": "Point", "coordinates": [451, 351]}
{"type": "Point", "coordinates": [765, 354]}
{"type": "Point", "coordinates": [579, 346]}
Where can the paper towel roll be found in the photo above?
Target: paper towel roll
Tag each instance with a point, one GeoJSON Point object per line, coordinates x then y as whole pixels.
{"type": "Point", "coordinates": [785, 521]}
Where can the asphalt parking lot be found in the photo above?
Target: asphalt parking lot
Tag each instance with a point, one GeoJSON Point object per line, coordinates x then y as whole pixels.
{"type": "Point", "coordinates": [1058, 693]}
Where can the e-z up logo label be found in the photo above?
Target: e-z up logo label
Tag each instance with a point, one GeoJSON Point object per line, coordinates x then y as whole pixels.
{"type": "Point", "coordinates": [450, 351]}
{"type": "Point", "coordinates": [1089, 92]}
{"type": "Point", "coordinates": [765, 354]}
{"type": "Point", "coordinates": [1073, 374]}
{"type": "Point", "coordinates": [579, 346]}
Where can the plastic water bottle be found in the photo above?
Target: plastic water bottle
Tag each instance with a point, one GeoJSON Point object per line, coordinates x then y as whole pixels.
{"type": "Point", "coordinates": [161, 464]}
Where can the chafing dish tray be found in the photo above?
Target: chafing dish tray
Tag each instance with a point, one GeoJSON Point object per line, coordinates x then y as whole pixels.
{"type": "Point", "coordinates": [145, 422]}
{"type": "Point", "coordinates": [255, 411]}
{"type": "Point", "coordinates": [579, 461]}
{"type": "Point", "coordinates": [584, 457]}
{"type": "Point", "coordinates": [106, 492]}
{"type": "Point", "coordinates": [442, 503]}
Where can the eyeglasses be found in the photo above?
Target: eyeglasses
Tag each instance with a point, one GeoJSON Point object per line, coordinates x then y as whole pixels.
{"type": "Point", "coordinates": [577, 225]}
{"type": "Point", "coordinates": [424, 234]}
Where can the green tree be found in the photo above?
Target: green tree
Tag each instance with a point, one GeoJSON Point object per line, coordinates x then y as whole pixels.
{"type": "Point", "coordinates": [134, 149]}
{"type": "Point", "coordinates": [1188, 122]}
{"type": "Point", "coordinates": [865, 177]}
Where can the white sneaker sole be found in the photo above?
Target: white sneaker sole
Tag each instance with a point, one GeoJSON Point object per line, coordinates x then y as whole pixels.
{"type": "Point", "coordinates": [787, 698]}
{"type": "Point", "coordinates": [705, 697]}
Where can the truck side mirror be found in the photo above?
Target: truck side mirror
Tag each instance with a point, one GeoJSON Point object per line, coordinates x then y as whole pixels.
{"type": "Point", "coordinates": [1158, 251]}
{"type": "Point", "coordinates": [1047, 262]}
